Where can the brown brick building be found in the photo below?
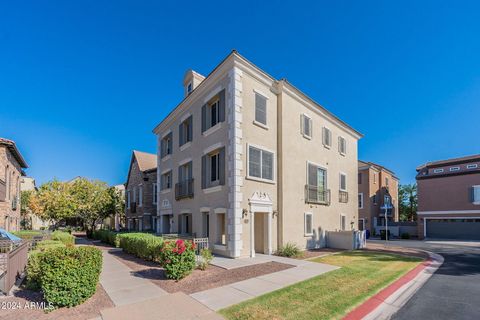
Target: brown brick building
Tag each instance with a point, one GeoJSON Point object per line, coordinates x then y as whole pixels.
{"type": "Point", "coordinates": [449, 198]}
{"type": "Point", "coordinates": [374, 181]}
{"type": "Point", "coordinates": [11, 171]}
{"type": "Point", "coordinates": [141, 192]}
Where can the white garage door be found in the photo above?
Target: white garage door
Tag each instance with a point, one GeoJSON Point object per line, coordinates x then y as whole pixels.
{"type": "Point", "coordinates": [453, 228]}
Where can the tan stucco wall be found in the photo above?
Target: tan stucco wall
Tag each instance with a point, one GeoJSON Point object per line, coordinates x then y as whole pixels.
{"type": "Point", "coordinates": [7, 160]}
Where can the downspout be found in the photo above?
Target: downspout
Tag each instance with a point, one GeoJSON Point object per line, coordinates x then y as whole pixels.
{"type": "Point", "coordinates": [277, 89]}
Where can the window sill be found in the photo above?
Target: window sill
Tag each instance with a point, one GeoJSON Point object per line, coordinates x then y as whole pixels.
{"type": "Point", "coordinates": [260, 180]}
{"type": "Point", "coordinates": [166, 191]}
{"type": "Point", "coordinates": [307, 136]}
{"type": "Point", "coordinates": [185, 145]}
{"type": "Point", "coordinates": [343, 154]}
{"type": "Point", "coordinates": [211, 130]}
{"type": "Point", "coordinates": [167, 157]}
{"type": "Point", "coordinates": [212, 189]}
{"type": "Point", "coordinates": [222, 247]}
{"type": "Point", "coordinates": [326, 146]}
{"type": "Point", "coordinates": [261, 125]}
{"type": "Point", "coordinates": [476, 203]}
{"type": "Point", "coordinates": [308, 234]}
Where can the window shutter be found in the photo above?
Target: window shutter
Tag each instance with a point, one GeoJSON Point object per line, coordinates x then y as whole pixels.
{"type": "Point", "coordinates": [180, 135]}
{"type": "Point", "coordinates": [310, 129]}
{"type": "Point", "coordinates": [180, 174]}
{"type": "Point", "coordinates": [170, 140]}
{"type": "Point", "coordinates": [190, 176]}
{"type": "Point", "coordinates": [190, 124]}
{"type": "Point", "coordinates": [472, 194]}
{"type": "Point", "coordinates": [302, 121]}
{"type": "Point", "coordinates": [312, 175]}
{"type": "Point", "coordinates": [204, 172]}
{"type": "Point", "coordinates": [340, 144]}
{"type": "Point", "coordinates": [162, 148]}
{"type": "Point", "coordinates": [221, 106]}
{"type": "Point", "coordinates": [329, 137]}
{"type": "Point", "coordinates": [204, 118]}
{"type": "Point", "coordinates": [221, 165]}
{"type": "Point", "coordinates": [260, 109]}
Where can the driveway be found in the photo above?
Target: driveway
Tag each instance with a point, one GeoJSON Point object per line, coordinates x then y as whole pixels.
{"type": "Point", "coordinates": [453, 292]}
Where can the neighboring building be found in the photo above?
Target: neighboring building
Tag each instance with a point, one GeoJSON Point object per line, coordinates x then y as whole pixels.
{"type": "Point", "coordinates": [449, 199]}
{"type": "Point", "coordinates": [140, 192]}
{"type": "Point", "coordinates": [11, 172]}
{"type": "Point", "coordinates": [374, 183]}
{"type": "Point", "coordinates": [31, 221]}
{"type": "Point", "coordinates": [253, 163]}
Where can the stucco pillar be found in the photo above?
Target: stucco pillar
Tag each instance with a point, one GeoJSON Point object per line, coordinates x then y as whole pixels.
{"type": "Point", "coordinates": [252, 234]}
{"type": "Point", "coordinates": [269, 232]}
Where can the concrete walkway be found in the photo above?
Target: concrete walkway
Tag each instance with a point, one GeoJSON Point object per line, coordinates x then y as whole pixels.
{"type": "Point", "coordinates": [222, 297]}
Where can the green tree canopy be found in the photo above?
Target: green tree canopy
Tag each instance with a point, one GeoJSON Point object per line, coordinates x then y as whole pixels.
{"type": "Point", "coordinates": [408, 201]}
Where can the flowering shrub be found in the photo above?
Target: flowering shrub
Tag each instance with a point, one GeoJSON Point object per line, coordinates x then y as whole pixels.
{"type": "Point", "coordinates": [178, 258]}
{"type": "Point", "coordinates": [206, 259]}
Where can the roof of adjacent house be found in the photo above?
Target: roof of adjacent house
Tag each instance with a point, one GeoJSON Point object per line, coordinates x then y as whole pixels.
{"type": "Point", "coordinates": [146, 161]}
{"type": "Point", "coordinates": [451, 161]}
{"type": "Point", "coordinates": [14, 150]}
{"type": "Point", "coordinates": [234, 53]}
{"type": "Point", "coordinates": [365, 164]}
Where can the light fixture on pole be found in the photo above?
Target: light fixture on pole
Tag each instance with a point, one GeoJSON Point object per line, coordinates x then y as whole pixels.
{"type": "Point", "coordinates": [387, 205]}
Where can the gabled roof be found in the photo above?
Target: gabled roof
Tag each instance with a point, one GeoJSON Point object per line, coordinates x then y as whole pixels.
{"type": "Point", "coordinates": [451, 161]}
{"type": "Point", "coordinates": [14, 150]}
{"type": "Point", "coordinates": [364, 164]}
{"type": "Point", "coordinates": [146, 161]}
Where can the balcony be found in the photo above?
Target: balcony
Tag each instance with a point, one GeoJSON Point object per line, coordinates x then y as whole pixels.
{"type": "Point", "coordinates": [316, 195]}
{"type": "Point", "coordinates": [133, 207]}
{"type": "Point", "coordinates": [184, 189]}
{"type": "Point", "coordinates": [342, 196]}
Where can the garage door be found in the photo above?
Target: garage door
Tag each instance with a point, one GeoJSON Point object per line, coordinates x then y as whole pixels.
{"type": "Point", "coordinates": [463, 229]}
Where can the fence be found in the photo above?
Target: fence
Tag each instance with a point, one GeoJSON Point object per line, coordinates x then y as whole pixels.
{"type": "Point", "coordinates": [349, 240]}
{"type": "Point", "coordinates": [13, 265]}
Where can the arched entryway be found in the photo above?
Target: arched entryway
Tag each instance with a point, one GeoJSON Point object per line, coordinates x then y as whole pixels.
{"type": "Point", "coordinates": [261, 211]}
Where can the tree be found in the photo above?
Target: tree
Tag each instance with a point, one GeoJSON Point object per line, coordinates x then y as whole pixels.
{"type": "Point", "coordinates": [25, 197]}
{"type": "Point", "coordinates": [408, 201]}
{"type": "Point", "coordinates": [53, 201]}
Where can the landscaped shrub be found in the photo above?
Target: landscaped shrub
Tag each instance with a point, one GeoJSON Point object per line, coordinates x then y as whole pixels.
{"type": "Point", "coordinates": [48, 244]}
{"type": "Point", "coordinates": [206, 259]}
{"type": "Point", "coordinates": [27, 234]}
{"type": "Point", "coordinates": [33, 270]}
{"type": "Point", "coordinates": [65, 237]}
{"type": "Point", "coordinates": [107, 236]}
{"type": "Point", "coordinates": [384, 235]}
{"type": "Point", "coordinates": [178, 258]}
{"type": "Point", "coordinates": [289, 250]}
{"type": "Point", "coordinates": [405, 235]}
{"type": "Point", "coordinates": [143, 245]}
{"type": "Point", "coordinates": [67, 276]}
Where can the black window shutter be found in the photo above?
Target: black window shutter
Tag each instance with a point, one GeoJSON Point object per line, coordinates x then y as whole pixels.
{"type": "Point", "coordinates": [312, 175]}
{"type": "Point", "coordinates": [180, 176]}
{"type": "Point", "coordinates": [221, 106]}
{"type": "Point", "coordinates": [162, 148]}
{"type": "Point", "coordinates": [180, 134]}
{"type": "Point", "coordinates": [204, 172]}
{"type": "Point", "coordinates": [170, 139]}
{"type": "Point", "coordinates": [472, 194]}
{"type": "Point", "coordinates": [204, 118]}
{"type": "Point", "coordinates": [190, 123]}
{"type": "Point", "coordinates": [221, 165]}
{"type": "Point", "coordinates": [190, 176]}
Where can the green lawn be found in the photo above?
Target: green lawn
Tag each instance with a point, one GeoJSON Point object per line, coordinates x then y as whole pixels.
{"type": "Point", "coordinates": [328, 296]}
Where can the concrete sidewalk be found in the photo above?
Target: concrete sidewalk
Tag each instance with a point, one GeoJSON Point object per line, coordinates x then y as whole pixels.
{"type": "Point", "coordinates": [222, 297]}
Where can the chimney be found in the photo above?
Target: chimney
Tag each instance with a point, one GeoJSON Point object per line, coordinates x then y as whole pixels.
{"type": "Point", "coordinates": [191, 80]}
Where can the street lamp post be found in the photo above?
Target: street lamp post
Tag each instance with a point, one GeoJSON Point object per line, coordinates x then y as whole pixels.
{"type": "Point", "coordinates": [387, 204]}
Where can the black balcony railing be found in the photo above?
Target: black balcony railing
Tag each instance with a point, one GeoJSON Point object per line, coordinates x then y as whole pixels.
{"type": "Point", "coordinates": [316, 195]}
{"type": "Point", "coordinates": [342, 196]}
{"type": "Point", "coordinates": [184, 189]}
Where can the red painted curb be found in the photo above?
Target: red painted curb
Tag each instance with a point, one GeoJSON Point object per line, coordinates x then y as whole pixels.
{"type": "Point", "coordinates": [368, 306]}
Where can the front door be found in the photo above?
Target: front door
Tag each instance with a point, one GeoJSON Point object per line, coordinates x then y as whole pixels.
{"type": "Point", "coordinates": [260, 232]}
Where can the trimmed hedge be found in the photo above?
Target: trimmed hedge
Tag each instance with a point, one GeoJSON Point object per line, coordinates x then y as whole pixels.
{"type": "Point", "coordinates": [33, 265]}
{"type": "Point", "coordinates": [64, 237]}
{"type": "Point", "coordinates": [107, 236]}
{"type": "Point", "coordinates": [67, 276]}
{"type": "Point", "coordinates": [27, 234]}
{"type": "Point", "coordinates": [142, 245]}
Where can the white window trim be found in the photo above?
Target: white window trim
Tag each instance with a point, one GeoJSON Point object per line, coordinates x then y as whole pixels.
{"type": "Point", "coordinates": [213, 147]}
{"type": "Point", "coordinates": [167, 157]}
{"type": "Point", "coordinates": [305, 233]}
{"type": "Point", "coordinates": [361, 197]}
{"type": "Point", "coordinates": [339, 151]}
{"type": "Point", "coordinates": [212, 94]}
{"type": "Point", "coordinates": [302, 129]}
{"type": "Point", "coordinates": [165, 134]}
{"type": "Point", "coordinates": [261, 125]}
{"type": "Point", "coordinates": [453, 169]}
{"type": "Point", "coordinates": [476, 202]}
{"type": "Point", "coordinates": [438, 170]}
{"type": "Point", "coordinates": [323, 142]}
{"type": "Point", "coordinates": [185, 145]}
{"type": "Point", "coordinates": [211, 130]}
{"type": "Point", "coordinates": [264, 126]}
{"type": "Point", "coordinates": [185, 117]}
{"type": "Point", "coordinates": [340, 181]}
{"type": "Point", "coordinates": [274, 178]}
{"type": "Point", "coordinates": [184, 161]}
{"type": "Point", "coordinates": [212, 189]}
{"type": "Point", "coordinates": [260, 93]}
{"type": "Point", "coordinates": [341, 218]}
{"type": "Point", "coordinates": [321, 166]}
{"type": "Point", "coordinates": [472, 166]}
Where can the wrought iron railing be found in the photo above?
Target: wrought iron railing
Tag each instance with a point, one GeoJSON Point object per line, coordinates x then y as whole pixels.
{"type": "Point", "coordinates": [342, 196]}
{"type": "Point", "coordinates": [184, 189]}
{"type": "Point", "coordinates": [316, 195]}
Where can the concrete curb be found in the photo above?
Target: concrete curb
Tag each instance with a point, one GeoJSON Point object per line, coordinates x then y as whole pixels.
{"type": "Point", "coordinates": [387, 302]}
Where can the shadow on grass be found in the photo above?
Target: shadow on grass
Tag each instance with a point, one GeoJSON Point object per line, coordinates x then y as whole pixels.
{"type": "Point", "coordinates": [378, 256]}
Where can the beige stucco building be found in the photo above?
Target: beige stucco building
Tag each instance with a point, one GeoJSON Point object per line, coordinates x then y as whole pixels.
{"type": "Point", "coordinates": [252, 163]}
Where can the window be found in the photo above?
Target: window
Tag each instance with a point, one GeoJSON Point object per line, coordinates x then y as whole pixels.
{"type": "Point", "coordinates": [213, 112]}
{"type": "Point", "coordinates": [360, 200]}
{"type": "Point", "coordinates": [260, 163]}
{"type": "Point", "coordinates": [140, 196]}
{"type": "Point", "coordinates": [306, 126]}
{"type": "Point", "coordinates": [185, 172]}
{"type": "Point", "coordinates": [437, 170]}
{"type": "Point", "coordinates": [155, 193]}
{"type": "Point", "coordinates": [476, 194]}
{"type": "Point", "coordinates": [374, 198]}
{"type": "Point", "coordinates": [374, 177]}
{"type": "Point", "coordinates": [221, 236]}
{"type": "Point", "coordinates": [166, 180]}
{"type": "Point", "coordinates": [342, 145]}
{"type": "Point", "coordinates": [327, 137]}
{"type": "Point", "coordinates": [128, 199]}
{"type": "Point", "coordinates": [166, 145]}
{"type": "Point", "coordinates": [472, 166]}
{"type": "Point", "coordinates": [260, 109]}
{"type": "Point", "coordinates": [343, 182]}
{"type": "Point", "coordinates": [185, 131]}
{"type": "Point", "coordinates": [308, 219]}
{"type": "Point", "coordinates": [189, 88]}
{"type": "Point", "coordinates": [359, 178]}
{"type": "Point", "coordinates": [213, 168]}
{"type": "Point", "coordinates": [135, 195]}
{"type": "Point", "coordinates": [343, 222]}
{"type": "Point", "coordinates": [454, 168]}
{"type": "Point", "coordinates": [317, 184]}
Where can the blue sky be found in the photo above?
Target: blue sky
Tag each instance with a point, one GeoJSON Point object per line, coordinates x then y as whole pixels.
{"type": "Point", "coordinates": [82, 83]}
